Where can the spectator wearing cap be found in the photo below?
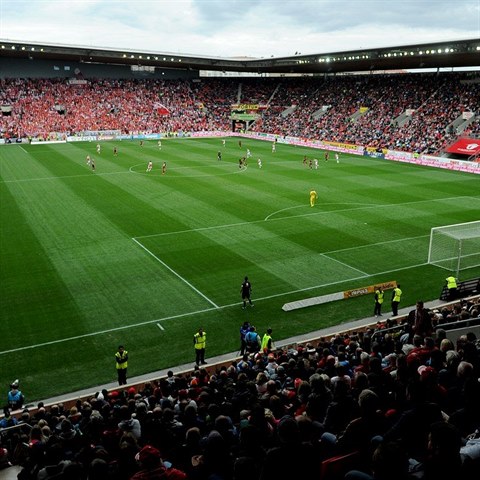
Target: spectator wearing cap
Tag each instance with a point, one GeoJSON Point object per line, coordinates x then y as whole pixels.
{"type": "Point", "coordinates": [153, 468]}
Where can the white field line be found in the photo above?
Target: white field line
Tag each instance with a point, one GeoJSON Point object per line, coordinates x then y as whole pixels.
{"type": "Point", "coordinates": [200, 229]}
{"type": "Point", "coordinates": [331, 283]}
{"type": "Point", "coordinates": [237, 303]}
{"type": "Point", "coordinates": [389, 205]}
{"type": "Point", "coordinates": [24, 150]}
{"type": "Point", "coordinates": [330, 203]}
{"type": "Point", "coordinates": [159, 325]}
{"type": "Point", "coordinates": [345, 264]}
{"type": "Point", "coordinates": [188, 314]}
{"type": "Point", "coordinates": [175, 273]}
{"type": "Point", "coordinates": [103, 332]}
{"type": "Point", "coordinates": [253, 222]}
{"type": "Point", "coordinates": [375, 244]}
{"type": "Point", "coordinates": [62, 176]}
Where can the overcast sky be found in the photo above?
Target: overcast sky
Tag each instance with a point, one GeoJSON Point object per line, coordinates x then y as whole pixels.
{"type": "Point", "coordinates": [233, 28]}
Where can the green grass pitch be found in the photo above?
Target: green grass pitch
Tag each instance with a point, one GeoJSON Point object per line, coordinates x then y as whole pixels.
{"type": "Point", "coordinates": [93, 260]}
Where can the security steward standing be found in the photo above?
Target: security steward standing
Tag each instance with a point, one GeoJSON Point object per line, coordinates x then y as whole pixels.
{"type": "Point", "coordinates": [396, 296]}
{"type": "Point", "coordinates": [378, 302]}
{"type": "Point", "coordinates": [199, 342]}
{"type": "Point", "coordinates": [452, 287]}
{"type": "Point", "coordinates": [121, 359]}
{"type": "Point", "coordinates": [267, 342]}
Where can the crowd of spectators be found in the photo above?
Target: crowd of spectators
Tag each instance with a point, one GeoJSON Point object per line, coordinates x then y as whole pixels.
{"type": "Point", "coordinates": [40, 107]}
{"type": "Point", "coordinates": [393, 402]}
{"type": "Point", "coordinates": [435, 101]}
{"type": "Point", "coordinates": [368, 110]}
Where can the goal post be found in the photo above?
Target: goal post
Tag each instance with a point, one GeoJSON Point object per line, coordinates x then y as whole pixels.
{"type": "Point", "coordinates": [455, 247]}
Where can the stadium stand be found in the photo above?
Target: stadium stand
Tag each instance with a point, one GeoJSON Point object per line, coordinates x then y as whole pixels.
{"type": "Point", "coordinates": [378, 399]}
{"type": "Point", "coordinates": [356, 109]}
{"type": "Point", "coordinates": [318, 408]}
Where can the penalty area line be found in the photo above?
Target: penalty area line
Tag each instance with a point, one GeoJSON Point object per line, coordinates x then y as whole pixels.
{"type": "Point", "coordinates": [184, 280]}
{"type": "Point", "coordinates": [346, 265]}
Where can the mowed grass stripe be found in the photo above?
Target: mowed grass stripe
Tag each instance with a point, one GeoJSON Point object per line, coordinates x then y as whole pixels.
{"type": "Point", "coordinates": [106, 274]}
{"type": "Point", "coordinates": [31, 288]}
{"type": "Point", "coordinates": [136, 205]}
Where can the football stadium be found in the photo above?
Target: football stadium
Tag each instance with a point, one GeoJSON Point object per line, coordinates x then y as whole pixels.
{"type": "Point", "coordinates": [296, 243]}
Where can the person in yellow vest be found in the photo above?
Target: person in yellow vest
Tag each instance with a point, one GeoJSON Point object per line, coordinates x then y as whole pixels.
{"type": "Point", "coordinates": [396, 296]}
{"type": "Point", "coordinates": [313, 197]}
{"type": "Point", "coordinates": [121, 359]}
{"type": "Point", "coordinates": [452, 287]}
{"type": "Point", "coordinates": [378, 302]}
{"type": "Point", "coordinates": [267, 342]}
{"type": "Point", "coordinates": [199, 342]}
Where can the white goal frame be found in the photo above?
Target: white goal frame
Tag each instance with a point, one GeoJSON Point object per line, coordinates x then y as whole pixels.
{"type": "Point", "coordinates": [455, 247]}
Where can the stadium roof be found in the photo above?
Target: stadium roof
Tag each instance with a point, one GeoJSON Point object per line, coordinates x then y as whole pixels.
{"type": "Point", "coordinates": [456, 53]}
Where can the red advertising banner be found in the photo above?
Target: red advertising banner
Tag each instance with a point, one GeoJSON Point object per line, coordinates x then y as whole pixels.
{"type": "Point", "coordinates": [465, 146]}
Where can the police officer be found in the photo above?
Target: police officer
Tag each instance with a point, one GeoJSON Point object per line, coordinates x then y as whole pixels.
{"type": "Point", "coordinates": [378, 302]}
{"type": "Point", "coordinates": [15, 397]}
{"type": "Point", "coordinates": [252, 339]}
{"type": "Point", "coordinates": [396, 296]}
{"type": "Point", "coordinates": [199, 342]}
{"type": "Point", "coordinates": [452, 287]}
{"type": "Point", "coordinates": [244, 329]}
{"type": "Point", "coordinates": [121, 359]}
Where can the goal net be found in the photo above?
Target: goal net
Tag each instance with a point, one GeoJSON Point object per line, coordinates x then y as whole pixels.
{"type": "Point", "coordinates": [455, 247]}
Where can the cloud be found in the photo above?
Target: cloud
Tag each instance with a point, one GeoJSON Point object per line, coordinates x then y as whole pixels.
{"type": "Point", "coordinates": [259, 28]}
